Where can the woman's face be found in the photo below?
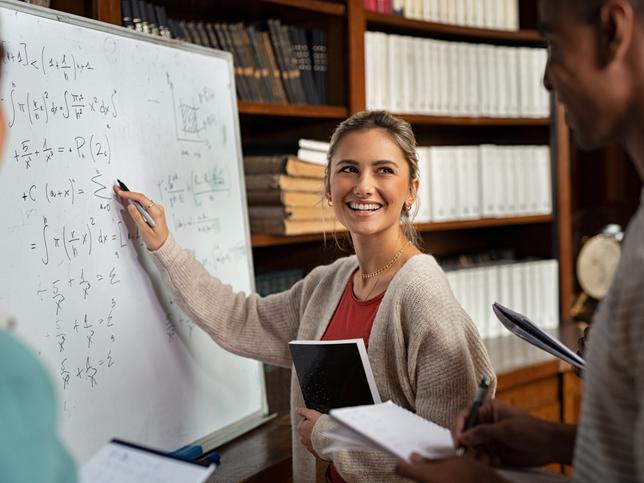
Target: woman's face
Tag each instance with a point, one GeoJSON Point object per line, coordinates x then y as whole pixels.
{"type": "Point", "coordinates": [369, 182]}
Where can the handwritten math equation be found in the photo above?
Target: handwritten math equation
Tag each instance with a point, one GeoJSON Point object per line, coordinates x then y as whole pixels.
{"type": "Point", "coordinates": [93, 147]}
{"type": "Point", "coordinates": [83, 341]}
{"type": "Point", "coordinates": [42, 107]}
{"type": "Point", "coordinates": [65, 65]}
{"type": "Point", "coordinates": [70, 128]}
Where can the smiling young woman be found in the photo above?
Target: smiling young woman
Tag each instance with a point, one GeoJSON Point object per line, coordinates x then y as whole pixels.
{"type": "Point", "coordinates": [424, 350]}
{"type": "Point", "coordinates": [371, 181]}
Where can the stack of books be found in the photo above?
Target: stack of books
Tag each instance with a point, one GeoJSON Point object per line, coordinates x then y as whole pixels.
{"type": "Point", "coordinates": [286, 192]}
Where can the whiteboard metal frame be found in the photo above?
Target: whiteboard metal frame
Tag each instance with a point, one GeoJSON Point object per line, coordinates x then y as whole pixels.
{"type": "Point", "coordinates": [230, 432]}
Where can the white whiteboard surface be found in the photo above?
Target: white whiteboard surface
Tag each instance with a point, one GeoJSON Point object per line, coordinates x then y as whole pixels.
{"type": "Point", "coordinates": [87, 103]}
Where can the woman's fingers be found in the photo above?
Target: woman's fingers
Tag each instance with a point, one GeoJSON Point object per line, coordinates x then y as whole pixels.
{"type": "Point", "coordinates": [146, 202]}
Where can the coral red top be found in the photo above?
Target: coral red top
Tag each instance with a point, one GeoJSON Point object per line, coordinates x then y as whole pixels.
{"type": "Point", "coordinates": [352, 319]}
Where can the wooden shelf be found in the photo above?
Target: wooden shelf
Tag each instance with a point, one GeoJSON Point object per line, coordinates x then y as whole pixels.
{"type": "Point", "coordinates": [400, 24]}
{"type": "Point", "coordinates": [319, 6]}
{"type": "Point", "coordinates": [484, 223]}
{"type": "Point", "coordinates": [419, 119]}
{"type": "Point", "coordinates": [292, 110]}
{"type": "Point", "coordinates": [259, 240]}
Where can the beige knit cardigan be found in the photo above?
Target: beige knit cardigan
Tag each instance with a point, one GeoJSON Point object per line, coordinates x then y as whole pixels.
{"type": "Point", "coordinates": [425, 351]}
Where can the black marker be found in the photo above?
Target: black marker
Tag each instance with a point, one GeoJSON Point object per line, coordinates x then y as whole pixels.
{"type": "Point", "coordinates": [474, 412]}
{"type": "Point", "coordinates": [146, 216]}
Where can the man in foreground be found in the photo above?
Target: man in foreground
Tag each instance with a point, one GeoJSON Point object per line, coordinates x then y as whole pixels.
{"type": "Point", "coordinates": [596, 69]}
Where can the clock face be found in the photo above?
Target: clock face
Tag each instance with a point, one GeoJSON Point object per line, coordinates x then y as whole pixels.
{"type": "Point", "coordinates": [596, 265]}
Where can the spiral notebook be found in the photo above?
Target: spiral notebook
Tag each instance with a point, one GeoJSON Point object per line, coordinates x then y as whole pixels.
{"type": "Point", "coordinates": [391, 428]}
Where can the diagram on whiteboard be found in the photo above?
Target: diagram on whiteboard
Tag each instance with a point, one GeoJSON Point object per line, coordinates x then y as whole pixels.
{"type": "Point", "coordinates": [195, 115]}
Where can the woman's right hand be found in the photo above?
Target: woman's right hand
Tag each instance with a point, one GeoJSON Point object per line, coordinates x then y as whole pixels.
{"type": "Point", "coordinates": [511, 437]}
{"type": "Point", "coordinates": [154, 238]}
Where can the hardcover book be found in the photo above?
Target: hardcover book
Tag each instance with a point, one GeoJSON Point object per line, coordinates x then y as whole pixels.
{"type": "Point", "coordinates": [334, 373]}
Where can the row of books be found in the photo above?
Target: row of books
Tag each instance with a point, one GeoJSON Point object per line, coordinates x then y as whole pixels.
{"type": "Point", "coordinates": [530, 287]}
{"type": "Point", "coordinates": [286, 194]}
{"type": "Point", "coordinates": [427, 76]}
{"type": "Point", "coordinates": [490, 14]}
{"type": "Point", "coordinates": [277, 281]}
{"type": "Point", "coordinates": [274, 63]}
{"type": "Point", "coordinates": [488, 181]}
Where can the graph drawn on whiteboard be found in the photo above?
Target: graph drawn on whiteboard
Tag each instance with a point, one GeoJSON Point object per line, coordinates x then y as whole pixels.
{"type": "Point", "coordinates": [195, 115]}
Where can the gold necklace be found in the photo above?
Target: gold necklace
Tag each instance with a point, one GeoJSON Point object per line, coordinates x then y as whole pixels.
{"type": "Point", "coordinates": [387, 266]}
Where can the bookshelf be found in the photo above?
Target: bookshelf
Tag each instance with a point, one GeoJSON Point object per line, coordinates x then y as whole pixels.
{"type": "Point", "coordinates": [395, 24]}
{"type": "Point", "coordinates": [292, 110]}
{"type": "Point", "coordinates": [423, 120]}
{"type": "Point", "coordinates": [264, 240]}
{"type": "Point", "coordinates": [345, 23]}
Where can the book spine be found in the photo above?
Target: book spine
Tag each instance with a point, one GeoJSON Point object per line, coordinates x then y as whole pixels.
{"type": "Point", "coordinates": [240, 81]}
{"type": "Point", "coordinates": [246, 68]}
{"type": "Point", "coordinates": [252, 68]}
{"type": "Point", "coordinates": [212, 36]}
{"type": "Point", "coordinates": [291, 62]}
{"type": "Point", "coordinates": [261, 62]}
{"type": "Point", "coordinates": [319, 48]}
{"type": "Point", "coordinates": [278, 49]}
{"type": "Point", "coordinates": [306, 69]}
{"type": "Point", "coordinates": [274, 70]}
{"type": "Point", "coordinates": [126, 12]}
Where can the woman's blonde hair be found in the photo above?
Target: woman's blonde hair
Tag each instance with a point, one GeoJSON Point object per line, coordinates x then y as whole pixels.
{"type": "Point", "coordinates": [401, 133]}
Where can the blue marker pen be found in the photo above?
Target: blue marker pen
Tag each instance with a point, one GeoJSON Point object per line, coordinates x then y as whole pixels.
{"type": "Point", "coordinates": [189, 452]}
{"type": "Point", "coordinates": [146, 216]}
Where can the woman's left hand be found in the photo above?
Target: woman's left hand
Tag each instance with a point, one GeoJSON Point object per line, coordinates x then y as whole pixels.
{"type": "Point", "coordinates": [305, 428]}
{"type": "Point", "coordinates": [453, 470]}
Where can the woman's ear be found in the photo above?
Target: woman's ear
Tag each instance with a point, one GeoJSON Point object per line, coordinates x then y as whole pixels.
{"type": "Point", "coordinates": [413, 192]}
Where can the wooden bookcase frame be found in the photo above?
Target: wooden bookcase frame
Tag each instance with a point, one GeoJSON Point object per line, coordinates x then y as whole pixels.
{"type": "Point", "coordinates": [354, 20]}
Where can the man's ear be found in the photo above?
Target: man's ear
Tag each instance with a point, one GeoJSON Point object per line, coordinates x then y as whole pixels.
{"type": "Point", "coordinates": [615, 28]}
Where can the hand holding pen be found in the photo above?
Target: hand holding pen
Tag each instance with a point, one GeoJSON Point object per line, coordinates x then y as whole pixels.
{"type": "Point", "coordinates": [472, 417]}
{"type": "Point", "coordinates": [507, 436]}
{"type": "Point", "coordinates": [148, 216]}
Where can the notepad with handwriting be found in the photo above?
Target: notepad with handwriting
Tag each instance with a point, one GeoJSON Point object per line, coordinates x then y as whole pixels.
{"type": "Point", "coordinates": [119, 462]}
{"type": "Point", "coordinates": [391, 428]}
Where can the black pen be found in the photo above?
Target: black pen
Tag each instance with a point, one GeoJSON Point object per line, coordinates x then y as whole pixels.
{"type": "Point", "coordinates": [474, 411]}
{"type": "Point", "coordinates": [146, 216]}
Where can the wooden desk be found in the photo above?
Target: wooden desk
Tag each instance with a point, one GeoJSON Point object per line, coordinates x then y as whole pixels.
{"type": "Point", "coordinates": [527, 378]}
{"type": "Point", "coordinates": [262, 455]}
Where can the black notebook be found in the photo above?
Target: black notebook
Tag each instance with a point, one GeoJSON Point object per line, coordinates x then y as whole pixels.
{"type": "Point", "coordinates": [334, 374]}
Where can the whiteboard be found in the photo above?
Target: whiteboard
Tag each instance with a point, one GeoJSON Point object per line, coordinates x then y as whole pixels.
{"type": "Point", "coordinates": [86, 103]}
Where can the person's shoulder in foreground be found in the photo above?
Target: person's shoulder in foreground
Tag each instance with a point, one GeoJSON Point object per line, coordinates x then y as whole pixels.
{"type": "Point", "coordinates": [30, 450]}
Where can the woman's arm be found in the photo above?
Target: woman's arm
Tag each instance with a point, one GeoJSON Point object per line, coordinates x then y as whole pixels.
{"type": "Point", "coordinates": [247, 325]}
